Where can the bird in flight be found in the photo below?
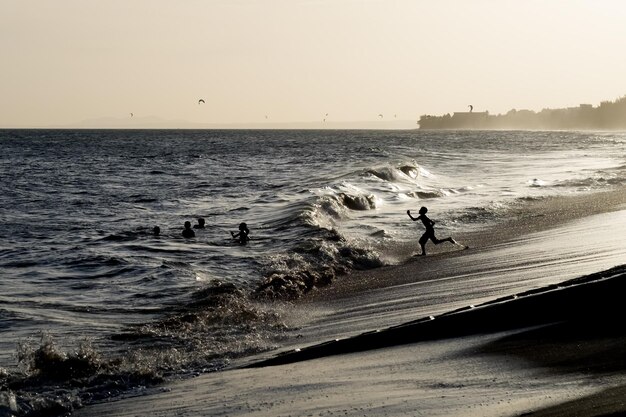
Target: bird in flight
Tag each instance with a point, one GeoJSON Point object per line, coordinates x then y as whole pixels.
{"type": "Point", "coordinates": [131, 115]}
{"type": "Point", "coordinates": [380, 115]}
{"type": "Point", "coordinates": [200, 101]}
{"type": "Point", "coordinates": [471, 108]}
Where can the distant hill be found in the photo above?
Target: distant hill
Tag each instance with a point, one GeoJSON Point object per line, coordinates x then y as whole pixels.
{"type": "Point", "coordinates": [146, 122]}
{"type": "Point", "coordinates": [152, 122]}
{"type": "Point", "coordinates": [609, 115]}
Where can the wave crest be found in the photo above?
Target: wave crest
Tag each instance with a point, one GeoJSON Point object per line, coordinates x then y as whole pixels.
{"type": "Point", "coordinates": [410, 170]}
{"type": "Point", "coordinates": [592, 182]}
{"type": "Point", "coordinates": [405, 173]}
{"type": "Point", "coordinates": [424, 195]}
{"type": "Point", "coordinates": [314, 265]}
{"type": "Point", "coordinates": [359, 202]}
{"type": "Point", "coordinates": [328, 209]}
{"type": "Point", "coordinates": [217, 323]}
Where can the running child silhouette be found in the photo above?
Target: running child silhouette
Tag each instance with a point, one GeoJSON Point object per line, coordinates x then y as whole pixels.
{"type": "Point", "coordinates": [430, 230]}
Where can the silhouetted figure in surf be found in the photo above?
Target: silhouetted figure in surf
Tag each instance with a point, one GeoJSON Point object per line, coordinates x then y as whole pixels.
{"type": "Point", "coordinates": [430, 230]}
{"type": "Point", "coordinates": [242, 235]}
{"type": "Point", "coordinates": [200, 224]}
{"type": "Point", "coordinates": [188, 231]}
{"type": "Point", "coordinates": [156, 230]}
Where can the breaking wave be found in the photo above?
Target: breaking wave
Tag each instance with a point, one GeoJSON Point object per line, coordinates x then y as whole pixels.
{"type": "Point", "coordinates": [216, 324]}
{"type": "Point", "coordinates": [312, 219]}
{"type": "Point", "coordinates": [425, 194]}
{"type": "Point", "coordinates": [592, 182]}
{"type": "Point", "coordinates": [402, 173]}
{"type": "Point", "coordinates": [313, 265]}
{"type": "Point", "coordinates": [325, 253]}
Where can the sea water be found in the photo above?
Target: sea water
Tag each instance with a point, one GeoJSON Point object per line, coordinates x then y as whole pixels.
{"type": "Point", "coordinates": [89, 294]}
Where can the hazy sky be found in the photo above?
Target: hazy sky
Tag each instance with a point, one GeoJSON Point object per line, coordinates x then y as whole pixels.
{"type": "Point", "coordinates": [63, 61]}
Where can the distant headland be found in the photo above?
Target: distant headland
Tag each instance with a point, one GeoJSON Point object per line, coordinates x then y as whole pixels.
{"type": "Point", "coordinates": [609, 115]}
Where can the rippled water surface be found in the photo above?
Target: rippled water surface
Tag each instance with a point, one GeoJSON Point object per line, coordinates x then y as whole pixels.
{"type": "Point", "coordinates": [79, 260]}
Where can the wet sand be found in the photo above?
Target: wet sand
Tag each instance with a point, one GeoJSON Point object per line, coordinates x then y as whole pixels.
{"type": "Point", "coordinates": [550, 350]}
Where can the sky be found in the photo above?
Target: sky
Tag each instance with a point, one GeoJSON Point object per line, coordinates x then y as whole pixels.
{"type": "Point", "coordinates": [67, 62]}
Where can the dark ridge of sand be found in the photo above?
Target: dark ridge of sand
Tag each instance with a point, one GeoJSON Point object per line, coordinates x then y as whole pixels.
{"type": "Point", "coordinates": [594, 345]}
{"type": "Point", "coordinates": [591, 302]}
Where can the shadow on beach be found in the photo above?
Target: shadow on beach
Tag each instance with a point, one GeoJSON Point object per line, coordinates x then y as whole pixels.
{"type": "Point", "coordinates": [573, 312]}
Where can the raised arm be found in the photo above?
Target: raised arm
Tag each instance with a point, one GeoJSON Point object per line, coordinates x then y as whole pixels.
{"type": "Point", "coordinates": [412, 218]}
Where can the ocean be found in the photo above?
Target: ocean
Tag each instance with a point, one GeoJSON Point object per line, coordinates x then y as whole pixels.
{"type": "Point", "coordinates": [93, 305]}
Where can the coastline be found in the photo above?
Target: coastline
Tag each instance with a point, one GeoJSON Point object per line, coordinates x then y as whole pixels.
{"type": "Point", "coordinates": [509, 372]}
{"type": "Point", "coordinates": [531, 217]}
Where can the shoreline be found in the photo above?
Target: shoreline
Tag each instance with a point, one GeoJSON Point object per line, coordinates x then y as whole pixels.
{"type": "Point", "coordinates": [534, 216]}
{"type": "Point", "coordinates": [517, 311]}
{"type": "Point", "coordinates": [393, 295]}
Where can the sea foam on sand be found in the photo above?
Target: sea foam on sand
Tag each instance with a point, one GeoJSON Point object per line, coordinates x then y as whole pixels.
{"type": "Point", "coordinates": [549, 350]}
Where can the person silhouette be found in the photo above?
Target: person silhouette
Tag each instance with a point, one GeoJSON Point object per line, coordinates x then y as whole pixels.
{"type": "Point", "coordinates": [156, 230]}
{"type": "Point", "coordinates": [430, 230]}
{"type": "Point", "coordinates": [242, 235]}
{"type": "Point", "coordinates": [200, 224]}
{"type": "Point", "coordinates": [188, 231]}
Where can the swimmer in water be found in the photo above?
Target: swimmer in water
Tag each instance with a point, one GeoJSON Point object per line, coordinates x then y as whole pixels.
{"type": "Point", "coordinates": [430, 230]}
{"type": "Point", "coordinates": [188, 232]}
{"type": "Point", "coordinates": [200, 224]}
{"type": "Point", "coordinates": [242, 235]}
{"type": "Point", "coordinates": [156, 230]}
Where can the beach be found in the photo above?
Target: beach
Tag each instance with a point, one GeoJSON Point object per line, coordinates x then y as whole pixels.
{"type": "Point", "coordinates": [312, 208]}
{"type": "Point", "coordinates": [506, 336]}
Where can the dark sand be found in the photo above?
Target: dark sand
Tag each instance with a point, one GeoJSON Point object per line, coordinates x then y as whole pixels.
{"type": "Point", "coordinates": [552, 350]}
